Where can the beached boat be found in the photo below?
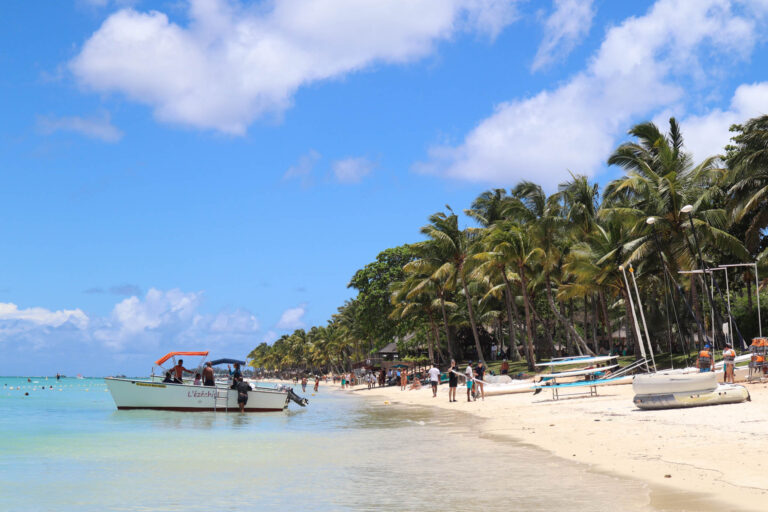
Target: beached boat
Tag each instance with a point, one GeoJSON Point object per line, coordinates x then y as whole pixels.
{"type": "Point", "coordinates": [150, 394]}
{"type": "Point", "coordinates": [671, 390]}
{"type": "Point", "coordinates": [673, 382]}
{"type": "Point", "coordinates": [721, 394]}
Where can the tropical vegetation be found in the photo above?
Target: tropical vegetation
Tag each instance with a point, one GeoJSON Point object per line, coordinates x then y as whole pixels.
{"type": "Point", "coordinates": [537, 274]}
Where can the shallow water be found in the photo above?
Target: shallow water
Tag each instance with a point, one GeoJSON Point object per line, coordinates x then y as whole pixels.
{"type": "Point", "coordinates": [67, 448]}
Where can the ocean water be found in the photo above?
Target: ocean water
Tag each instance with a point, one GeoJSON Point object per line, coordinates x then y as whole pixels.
{"type": "Point", "coordinates": [68, 448]}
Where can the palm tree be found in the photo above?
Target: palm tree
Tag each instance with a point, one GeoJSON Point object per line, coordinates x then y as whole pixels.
{"type": "Point", "coordinates": [547, 224]}
{"type": "Point", "coordinates": [748, 162]}
{"type": "Point", "coordinates": [448, 250]}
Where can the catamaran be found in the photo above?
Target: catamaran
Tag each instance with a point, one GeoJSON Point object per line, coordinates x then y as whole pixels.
{"type": "Point", "coordinates": [167, 396]}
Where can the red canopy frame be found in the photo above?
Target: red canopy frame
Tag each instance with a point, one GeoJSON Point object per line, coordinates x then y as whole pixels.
{"type": "Point", "coordinates": [172, 354]}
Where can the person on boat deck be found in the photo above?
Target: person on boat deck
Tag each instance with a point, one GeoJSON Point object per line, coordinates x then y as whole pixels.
{"type": "Point", "coordinates": [197, 379]}
{"type": "Point", "coordinates": [208, 379]}
{"type": "Point", "coordinates": [178, 371]}
{"type": "Point", "coordinates": [242, 392]}
{"type": "Point", "coordinates": [705, 362]}
{"type": "Point", "coordinates": [235, 374]}
{"type": "Point", "coordinates": [729, 360]}
{"type": "Point", "coordinates": [170, 379]}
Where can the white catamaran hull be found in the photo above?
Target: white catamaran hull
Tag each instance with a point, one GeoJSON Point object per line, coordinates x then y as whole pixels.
{"type": "Point", "coordinates": [722, 394]}
{"type": "Point", "coordinates": [143, 394]}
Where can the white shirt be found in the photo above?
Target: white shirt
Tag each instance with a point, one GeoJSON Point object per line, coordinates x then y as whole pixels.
{"type": "Point", "coordinates": [470, 373]}
{"type": "Point", "coordinates": [434, 374]}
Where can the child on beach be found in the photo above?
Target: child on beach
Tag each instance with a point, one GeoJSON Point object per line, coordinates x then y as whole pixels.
{"type": "Point", "coordinates": [470, 373]}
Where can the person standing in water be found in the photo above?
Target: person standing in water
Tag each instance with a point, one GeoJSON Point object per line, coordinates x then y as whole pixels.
{"type": "Point", "coordinates": [317, 382]}
{"type": "Point", "coordinates": [242, 393]}
{"type": "Point", "coordinates": [304, 384]}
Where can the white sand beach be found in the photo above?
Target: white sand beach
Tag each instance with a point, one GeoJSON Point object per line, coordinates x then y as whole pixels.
{"type": "Point", "coordinates": [716, 452]}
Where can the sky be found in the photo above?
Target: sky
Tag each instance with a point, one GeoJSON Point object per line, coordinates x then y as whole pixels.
{"type": "Point", "coordinates": [209, 174]}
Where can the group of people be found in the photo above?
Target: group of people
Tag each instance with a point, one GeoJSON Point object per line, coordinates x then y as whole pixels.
{"type": "Point", "coordinates": [705, 362]}
{"type": "Point", "coordinates": [176, 374]}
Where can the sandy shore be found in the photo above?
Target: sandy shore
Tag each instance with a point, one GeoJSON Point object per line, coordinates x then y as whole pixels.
{"type": "Point", "coordinates": [715, 452]}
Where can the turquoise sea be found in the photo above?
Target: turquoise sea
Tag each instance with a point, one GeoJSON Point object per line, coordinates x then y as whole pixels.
{"type": "Point", "coordinates": [67, 448]}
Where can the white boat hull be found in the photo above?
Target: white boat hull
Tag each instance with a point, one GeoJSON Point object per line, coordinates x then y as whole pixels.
{"type": "Point", "coordinates": [144, 394]}
{"type": "Point", "coordinates": [722, 394]}
{"type": "Point", "coordinates": [673, 382]}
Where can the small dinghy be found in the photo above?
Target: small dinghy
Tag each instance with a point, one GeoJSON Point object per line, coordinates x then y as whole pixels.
{"type": "Point", "coordinates": [722, 394]}
{"type": "Point", "coordinates": [669, 390]}
{"type": "Point", "coordinates": [673, 382]}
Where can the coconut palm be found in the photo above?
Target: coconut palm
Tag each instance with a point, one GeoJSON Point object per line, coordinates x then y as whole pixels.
{"type": "Point", "coordinates": [448, 250]}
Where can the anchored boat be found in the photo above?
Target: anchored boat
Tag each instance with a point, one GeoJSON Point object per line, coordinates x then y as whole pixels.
{"type": "Point", "coordinates": [168, 396]}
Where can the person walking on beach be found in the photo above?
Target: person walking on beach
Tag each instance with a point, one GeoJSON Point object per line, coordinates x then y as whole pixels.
{"type": "Point", "coordinates": [453, 381]}
{"type": "Point", "coordinates": [705, 362]}
{"type": "Point", "coordinates": [729, 363]}
{"type": "Point", "coordinates": [470, 374]}
{"type": "Point", "coordinates": [403, 380]}
{"type": "Point", "coordinates": [434, 379]}
{"type": "Point", "coordinates": [480, 371]}
{"type": "Point", "coordinates": [504, 367]}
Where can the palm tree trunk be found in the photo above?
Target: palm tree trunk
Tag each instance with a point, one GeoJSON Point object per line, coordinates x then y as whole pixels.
{"type": "Point", "coordinates": [529, 331]}
{"type": "Point", "coordinates": [564, 321]}
{"type": "Point", "coordinates": [631, 321]}
{"type": "Point", "coordinates": [595, 325]}
{"type": "Point", "coordinates": [472, 320]}
{"type": "Point", "coordinates": [566, 334]}
{"type": "Point", "coordinates": [447, 327]}
{"type": "Point", "coordinates": [606, 320]}
{"type": "Point", "coordinates": [430, 341]}
{"type": "Point", "coordinates": [514, 355]}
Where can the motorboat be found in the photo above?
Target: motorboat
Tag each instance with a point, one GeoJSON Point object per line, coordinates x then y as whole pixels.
{"type": "Point", "coordinates": [152, 394]}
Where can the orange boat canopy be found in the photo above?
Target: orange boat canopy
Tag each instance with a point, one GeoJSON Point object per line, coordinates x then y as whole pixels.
{"type": "Point", "coordinates": [171, 354]}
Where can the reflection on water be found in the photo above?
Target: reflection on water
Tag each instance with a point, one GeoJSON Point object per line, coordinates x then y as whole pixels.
{"type": "Point", "coordinates": [71, 451]}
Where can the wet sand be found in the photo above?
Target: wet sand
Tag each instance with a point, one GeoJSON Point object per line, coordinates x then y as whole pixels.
{"type": "Point", "coordinates": [703, 458]}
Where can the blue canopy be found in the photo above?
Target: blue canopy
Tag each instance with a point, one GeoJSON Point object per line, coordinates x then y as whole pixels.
{"type": "Point", "coordinates": [227, 361]}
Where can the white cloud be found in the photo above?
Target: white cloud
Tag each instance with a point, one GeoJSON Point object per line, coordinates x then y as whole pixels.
{"type": "Point", "coordinates": [302, 171]}
{"type": "Point", "coordinates": [568, 24]}
{"type": "Point", "coordinates": [706, 135]}
{"type": "Point", "coordinates": [351, 170]}
{"type": "Point", "coordinates": [637, 71]}
{"type": "Point", "coordinates": [94, 127]}
{"type": "Point", "coordinates": [35, 316]}
{"type": "Point", "coordinates": [234, 63]}
{"type": "Point", "coordinates": [292, 318]}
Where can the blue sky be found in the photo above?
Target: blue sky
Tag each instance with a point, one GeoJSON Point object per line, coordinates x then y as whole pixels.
{"type": "Point", "coordinates": [210, 173]}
